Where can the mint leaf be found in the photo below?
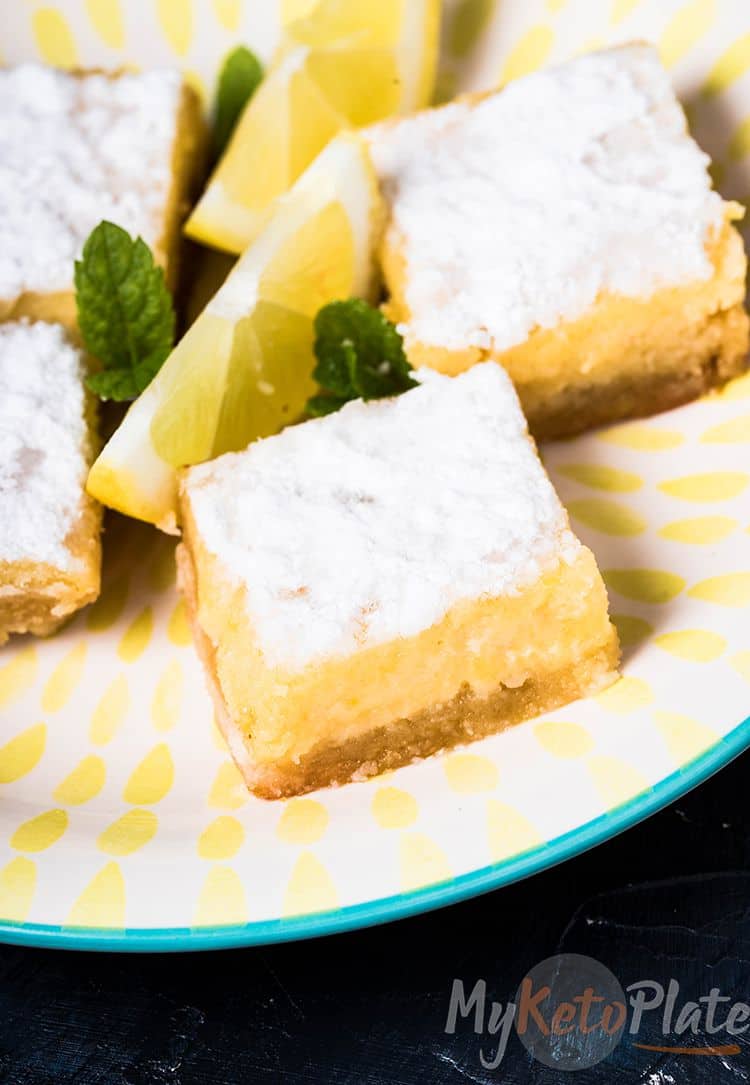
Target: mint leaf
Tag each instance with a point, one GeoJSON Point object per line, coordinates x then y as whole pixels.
{"type": "Point", "coordinates": [125, 311]}
{"type": "Point", "coordinates": [360, 355]}
{"type": "Point", "coordinates": [239, 79]}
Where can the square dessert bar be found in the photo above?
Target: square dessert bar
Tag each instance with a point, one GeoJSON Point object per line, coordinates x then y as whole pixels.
{"type": "Point", "coordinates": [565, 226]}
{"type": "Point", "coordinates": [76, 148]}
{"type": "Point", "coordinates": [385, 582]}
{"type": "Point", "coordinates": [49, 527]}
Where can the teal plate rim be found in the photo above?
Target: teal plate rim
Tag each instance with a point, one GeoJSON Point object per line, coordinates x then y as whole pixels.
{"type": "Point", "coordinates": [385, 909]}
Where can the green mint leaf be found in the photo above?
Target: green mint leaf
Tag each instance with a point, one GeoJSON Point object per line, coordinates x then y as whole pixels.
{"type": "Point", "coordinates": [240, 77]}
{"type": "Point", "coordinates": [360, 355]}
{"type": "Point", "coordinates": [125, 311]}
{"type": "Point", "coordinates": [317, 406]}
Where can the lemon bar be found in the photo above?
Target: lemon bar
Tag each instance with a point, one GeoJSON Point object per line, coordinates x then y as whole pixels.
{"type": "Point", "coordinates": [76, 148]}
{"type": "Point", "coordinates": [49, 527]}
{"type": "Point", "coordinates": [388, 581]}
{"type": "Point", "coordinates": [565, 226]}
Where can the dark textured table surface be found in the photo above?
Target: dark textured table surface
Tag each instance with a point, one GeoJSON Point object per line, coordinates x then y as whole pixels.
{"type": "Point", "coordinates": [668, 899]}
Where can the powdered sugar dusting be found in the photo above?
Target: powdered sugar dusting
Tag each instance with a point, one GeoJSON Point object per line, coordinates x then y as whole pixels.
{"type": "Point", "coordinates": [520, 210]}
{"type": "Point", "coordinates": [382, 516]}
{"type": "Point", "coordinates": [73, 151]}
{"type": "Point", "coordinates": [43, 433]}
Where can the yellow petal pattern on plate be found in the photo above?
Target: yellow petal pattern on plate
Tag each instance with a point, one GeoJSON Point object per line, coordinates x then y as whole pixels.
{"type": "Point", "coordinates": [631, 630]}
{"type": "Point", "coordinates": [136, 637]}
{"type": "Point", "coordinates": [178, 629]}
{"type": "Point", "coordinates": [40, 832]}
{"type": "Point", "coordinates": [645, 585]}
{"type": "Point", "coordinates": [222, 899]}
{"type": "Point", "coordinates": [106, 18]}
{"type": "Point", "coordinates": [741, 663]}
{"type": "Point", "coordinates": [695, 645]}
{"type": "Point", "coordinates": [394, 808]}
{"type": "Point", "coordinates": [733, 63]}
{"type": "Point", "coordinates": [733, 431]}
{"type": "Point", "coordinates": [601, 477]}
{"type": "Point", "coordinates": [422, 862]}
{"type": "Point", "coordinates": [641, 437]}
{"type": "Point", "coordinates": [739, 144]}
{"type": "Point", "coordinates": [684, 736]}
{"type": "Point", "coordinates": [621, 9]}
{"type": "Point", "coordinates": [609, 517]}
{"type": "Point", "coordinates": [54, 38]}
{"type": "Point", "coordinates": [509, 832]}
{"type": "Point", "coordinates": [128, 833]}
{"type": "Point", "coordinates": [166, 704]}
{"type": "Point", "coordinates": [102, 902]}
{"type": "Point", "coordinates": [303, 821]}
{"type": "Point", "coordinates": [176, 18]}
{"type": "Point", "coordinates": [713, 486]}
{"type": "Point", "coordinates": [686, 29]}
{"type": "Point", "coordinates": [728, 590]}
{"type": "Point", "coordinates": [228, 12]}
{"type": "Point", "coordinates": [222, 839]}
{"type": "Point", "coordinates": [17, 886]}
{"type": "Point", "coordinates": [22, 753]}
{"type": "Point", "coordinates": [615, 780]}
{"type": "Point", "coordinates": [529, 53]}
{"type": "Point", "coordinates": [83, 783]}
{"type": "Point", "coordinates": [151, 779]}
{"type": "Point", "coordinates": [626, 695]}
{"type": "Point", "coordinates": [108, 716]}
{"type": "Point", "coordinates": [468, 772]}
{"type": "Point", "coordinates": [310, 887]}
{"type": "Point", "coordinates": [18, 674]}
{"type": "Point", "coordinates": [739, 388]}
{"type": "Point", "coordinates": [563, 739]}
{"type": "Point", "coordinates": [699, 530]}
{"type": "Point", "coordinates": [228, 790]}
{"type": "Point", "coordinates": [64, 679]}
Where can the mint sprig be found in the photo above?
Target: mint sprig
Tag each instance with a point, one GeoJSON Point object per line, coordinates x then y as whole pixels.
{"type": "Point", "coordinates": [125, 312]}
{"type": "Point", "coordinates": [360, 355]}
{"type": "Point", "coordinates": [240, 76]}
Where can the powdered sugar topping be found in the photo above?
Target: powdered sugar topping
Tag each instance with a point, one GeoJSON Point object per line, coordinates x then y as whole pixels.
{"type": "Point", "coordinates": [73, 151]}
{"type": "Point", "coordinates": [382, 515]}
{"type": "Point", "coordinates": [43, 436]}
{"type": "Point", "coordinates": [520, 210]}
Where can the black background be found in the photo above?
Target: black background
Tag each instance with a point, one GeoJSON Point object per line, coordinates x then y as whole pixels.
{"type": "Point", "coordinates": [668, 899]}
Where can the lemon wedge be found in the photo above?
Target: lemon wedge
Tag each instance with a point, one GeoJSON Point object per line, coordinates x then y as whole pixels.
{"type": "Point", "coordinates": [243, 369]}
{"type": "Point", "coordinates": [341, 65]}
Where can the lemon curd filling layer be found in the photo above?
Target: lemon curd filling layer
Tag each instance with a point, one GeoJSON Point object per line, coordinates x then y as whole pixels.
{"type": "Point", "coordinates": [395, 578]}
{"type": "Point", "coordinates": [566, 227]}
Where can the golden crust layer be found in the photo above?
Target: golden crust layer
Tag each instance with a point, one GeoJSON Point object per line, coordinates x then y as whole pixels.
{"type": "Point", "coordinates": [489, 663]}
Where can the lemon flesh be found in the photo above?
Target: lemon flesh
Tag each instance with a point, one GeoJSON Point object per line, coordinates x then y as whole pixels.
{"type": "Point", "coordinates": [244, 369]}
{"type": "Point", "coordinates": [341, 65]}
